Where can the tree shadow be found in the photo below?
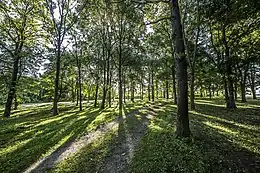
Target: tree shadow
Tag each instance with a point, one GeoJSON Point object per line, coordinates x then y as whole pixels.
{"type": "Point", "coordinates": [222, 141]}
{"type": "Point", "coordinates": [31, 136]}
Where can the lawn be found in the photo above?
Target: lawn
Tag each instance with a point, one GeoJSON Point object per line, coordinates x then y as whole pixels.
{"type": "Point", "coordinates": [144, 140]}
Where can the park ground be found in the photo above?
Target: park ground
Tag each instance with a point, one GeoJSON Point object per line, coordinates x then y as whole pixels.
{"type": "Point", "coordinates": [142, 140]}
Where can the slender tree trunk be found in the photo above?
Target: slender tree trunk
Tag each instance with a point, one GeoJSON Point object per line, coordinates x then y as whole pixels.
{"type": "Point", "coordinates": [15, 102]}
{"type": "Point", "coordinates": [243, 84]}
{"type": "Point", "coordinates": [124, 88]}
{"type": "Point", "coordinates": [167, 89]}
{"type": "Point", "coordinates": [192, 95]}
{"type": "Point", "coordinates": [132, 90]}
{"type": "Point", "coordinates": [174, 85]}
{"type": "Point", "coordinates": [142, 89]}
{"type": "Point", "coordinates": [243, 87]}
{"type": "Point", "coordinates": [235, 91]}
{"type": "Point", "coordinates": [149, 85]}
{"type": "Point", "coordinates": [152, 82]}
{"type": "Point", "coordinates": [57, 77]}
{"type": "Point", "coordinates": [77, 93]}
{"type": "Point", "coordinates": [164, 91]}
{"type": "Point", "coordinates": [96, 94]}
{"type": "Point", "coordinates": [157, 90]}
{"type": "Point", "coordinates": [102, 106]}
{"type": "Point", "coordinates": [182, 129]}
{"type": "Point", "coordinates": [210, 93]}
{"type": "Point", "coordinates": [120, 85]}
{"type": "Point", "coordinates": [110, 88]}
{"type": "Point", "coordinates": [80, 84]}
{"type": "Point", "coordinates": [73, 91]}
{"type": "Point", "coordinates": [229, 62]}
{"type": "Point", "coordinates": [252, 83]}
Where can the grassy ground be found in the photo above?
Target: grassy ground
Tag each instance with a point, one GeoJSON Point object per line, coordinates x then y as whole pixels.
{"type": "Point", "coordinates": [222, 140]}
{"type": "Point", "coordinates": [32, 132]}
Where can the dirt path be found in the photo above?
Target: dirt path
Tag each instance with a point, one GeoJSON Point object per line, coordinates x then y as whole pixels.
{"type": "Point", "coordinates": [115, 162]}
{"type": "Point", "coordinates": [69, 148]}
{"type": "Point", "coordinates": [128, 138]}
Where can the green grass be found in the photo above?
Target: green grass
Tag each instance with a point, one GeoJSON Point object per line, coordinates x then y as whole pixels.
{"type": "Point", "coordinates": [32, 133]}
{"type": "Point", "coordinates": [222, 140]}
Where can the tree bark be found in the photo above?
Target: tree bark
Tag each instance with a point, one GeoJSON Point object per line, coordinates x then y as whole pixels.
{"type": "Point", "coordinates": [210, 93]}
{"type": "Point", "coordinates": [167, 89]}
{"type": "Point", "coordinates": [174, 85]}
{"type": "Point", "coordinates": [96, 94]}
{"type": "Point", "coordinates": [132, 90]}
{"type": "Point", "coordinates": [243, 85]}
{"type": "Point", "coordinates": [79, 82]}
{"type": "Point", "coordinates": [231, 99]}
{"type": "Point", "coordinates": [12, 88]}
{"type": "Point", "coordinates": [252, 83]}
{"type": "Point", "coordinates": [149, 85]}
{"type": "Point", "coordinates": [102, 106]}
{"type": "Point", "coordinates": [192, 95]}
{"type": "Point", "coordinates": [182, 129]}
{"type": "Point", "coordinates": [152, 83]}
{"type": "Point", "coordinates": [57, 77]}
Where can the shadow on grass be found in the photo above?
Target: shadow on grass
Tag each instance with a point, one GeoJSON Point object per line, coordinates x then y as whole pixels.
{"type": "Point", "coordinates": [26, 138]}
{"type": "Point", "coordinates": [223, 141]}
{"type": "Point", "coordinates": [112, 152]}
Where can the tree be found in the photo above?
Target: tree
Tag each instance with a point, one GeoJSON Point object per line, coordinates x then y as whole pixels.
{"type": "Point", "coordinates": [18, 30]}
{"type": "Point", "coordinates": [62, 20]}
{"type": "Point", "coordinates": [182, 129]}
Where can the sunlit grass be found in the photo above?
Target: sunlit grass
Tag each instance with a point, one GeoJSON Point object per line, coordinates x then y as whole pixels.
{"type": "Point", "coordinates": [32, 132]}
{"type": "Point", "coordinates": [222, 140]}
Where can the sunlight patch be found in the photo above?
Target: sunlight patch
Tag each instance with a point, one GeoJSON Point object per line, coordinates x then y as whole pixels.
{"type": "Point", "coordinates": [219, 127]}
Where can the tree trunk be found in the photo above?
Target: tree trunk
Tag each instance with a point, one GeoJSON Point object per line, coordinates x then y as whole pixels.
{"type": "Point", "coordinates": [80, 84]}
{"type": "Point", "coordinates": [167, 89]}
{"type": "Point", "coordinates": [15, 102]}
{"type": "Point", "coordinates": [174, 85]}
{"type": "Point", "coordinates": [210, 93]}
{"type": "Point", "coordinates": [243, 84]}
{"type": "Point", "coordinates": [77, 93]}
{"type": "Point", "coordinates": [225, 90]}
{"type": "Point", "coordinates": [231, 100]}
{"type": "Point", "coordinates": [102, 106]}
{"type": "Point", "coordinates": [124, 88]}
{"type": "Point", "coordinates": [142, 89]}
{"type": "Point", "coordinates": [182, 129]}
{"type": "Point", "coordinates": [235, 91]}
{"type": "Point", "coordinates": [152, 82]}
{"type": "Point", "coordinates": [110, 88]}
{"type": "Point", "coordinates": [149, 84]}
{"type": "Point", "coordinates": [120, 85]}
{"type": "Point", "coordinates": [252, 83]}
{"type": "Point", "coordinates": [12, 88]}
{"type": "Point", "coordinates": [192, 95]}
{"type": "Point", "coordinates": [57, 77]}
{"type": "Point", "coordinates": [96, 94]}
{"type": "Point", "coordinates": [132, 90]}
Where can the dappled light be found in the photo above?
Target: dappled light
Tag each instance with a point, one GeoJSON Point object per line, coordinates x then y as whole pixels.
{"type": "Point", "coordinates": [129, 86]}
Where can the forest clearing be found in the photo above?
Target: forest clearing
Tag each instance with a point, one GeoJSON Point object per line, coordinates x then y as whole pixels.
{"type": "Point", "coordinates": [130, 86]}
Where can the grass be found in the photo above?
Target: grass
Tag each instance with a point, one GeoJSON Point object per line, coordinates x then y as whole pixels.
{"type": "Point", "coordinates": [222, 140]}
{"type": "Point", "coordinates": [32, 132]}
